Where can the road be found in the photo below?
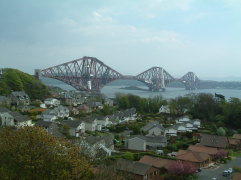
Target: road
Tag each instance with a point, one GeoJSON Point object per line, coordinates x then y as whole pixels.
{"type": "Point", "coordinates": [208, 174]}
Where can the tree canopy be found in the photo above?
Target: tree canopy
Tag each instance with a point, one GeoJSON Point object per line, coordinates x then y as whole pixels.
{"type": "Point", "coordinates": [15, 80]}
{"type": "Point", "coordinates": [30, 153]}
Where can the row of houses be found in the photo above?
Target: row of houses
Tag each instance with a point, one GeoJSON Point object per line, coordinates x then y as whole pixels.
{"type": "Point", "coordinates": [183, 124]}
{"type": "Point", "coordinates": [9, 118]}
{"type": "Point", "coordinates": [199, 155]}
{"type": "Point", "coordinates": [15, 98]}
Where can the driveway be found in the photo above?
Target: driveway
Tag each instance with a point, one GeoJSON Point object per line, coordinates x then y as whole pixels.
{"type": "Point", "coordinates": [208, 174]}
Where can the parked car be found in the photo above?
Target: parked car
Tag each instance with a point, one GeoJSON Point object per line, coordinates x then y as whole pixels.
{"type": "Point", "coordinates": [226, 173]}
{"type": "Point", "coordinates": [230, 170]}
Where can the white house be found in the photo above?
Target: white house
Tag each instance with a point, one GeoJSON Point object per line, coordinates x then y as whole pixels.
{"type": "Point", "coordinates": [49, 117]}
{"type": "Point", "coordinates": [51, 102]}
{"type": "Point", "coordinates": [59, 112]}
{"type": "Point", "coordinates": [181, 127]}
{"type": "Point", "coordinates": [95, 146]}
{"type": "Point", "coordinates": [183, 119]}
{"type": "Point", "coordinates": [91, 124]}
{"type": "Point", "coordinates": [196, 123]}
{"type": "Point", "coordinates": [103, 121]}
{"type": "Point", "coordinates": [153, 129]}
{"type": "Point", "coordinates": [76, 127]}
{"type": "Point", "coordinates": [18, 120]}
{"type": "Point", "coordinates": [171, 131]}
{"type": "Point", "coordinates": [164, 109]}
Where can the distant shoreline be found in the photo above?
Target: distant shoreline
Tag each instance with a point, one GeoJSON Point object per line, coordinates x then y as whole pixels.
{"type": "Point", "coordinates": [134, 88]}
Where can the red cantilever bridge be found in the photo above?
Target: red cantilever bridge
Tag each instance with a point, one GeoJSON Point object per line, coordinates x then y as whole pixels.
{"type": "Point", "coordinates": [91, 74]}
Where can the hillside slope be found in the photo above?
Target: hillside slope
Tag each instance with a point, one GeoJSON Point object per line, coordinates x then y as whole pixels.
{"type": "Point", "coordinates": [15, 80]}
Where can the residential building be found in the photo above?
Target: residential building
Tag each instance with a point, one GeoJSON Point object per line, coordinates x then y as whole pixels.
{"type": "Point", "coordinates": [76, 127]}
{"type": "Point", "coordinates": [103, 121]}
{"type": "Point", "coordinates": [142, 143]}
{"type": "Point", "coordinates": [198, 159]}
{"type": "Point", "coordinates": [51, 127]}
{"type": "Point", "coordinates": [91, 124]}
{"type": "Point", "coordinates": [51, 102]}
{"type": "Point", "coordinates": [183, 119]}
{"type": "Point", "coordinates": [138, 170]}
{"type": "Point", "coordinates": [98, 145]}
{"type": "Point", "coordinates": [19, 98]}
{"type": "Point", "coordinates": [164, 109]}
{"type": "Point", "coordinates": [15, 119]}
{"type": "Point", "coordinates": [211, 151]}
{"type": "Point", "coordinates": [157, 162]}
{"type": "Point", "coordinates": [171, 131]}
{"type": "Point", "coordinates": [214, 141]}
{"type": "Point", "coordinates": [153, 129]}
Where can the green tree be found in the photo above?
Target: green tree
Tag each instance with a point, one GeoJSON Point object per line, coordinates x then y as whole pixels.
{"type": "Point", "coordinates": [221, 131]}
{"type": "Point", "coordinates": [30, 153]}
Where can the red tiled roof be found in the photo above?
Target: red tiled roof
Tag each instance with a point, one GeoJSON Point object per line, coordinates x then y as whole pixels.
{"type": "Point", "coordinates": [192, 156]}
{"type": "Point", "coordinates": [203, 149]}
{"type": "Point", "coordinates": [237, 136]}
{"type": "Point", "coordinates": [38, 110]}
{"type": "Point", "coordinates": [237, 176]}
{"type": "Point", "coordinates": [156, 162]}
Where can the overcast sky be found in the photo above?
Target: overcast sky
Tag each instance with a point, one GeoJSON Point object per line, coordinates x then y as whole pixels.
{"type": "Point", "coordinates": [131, 36]}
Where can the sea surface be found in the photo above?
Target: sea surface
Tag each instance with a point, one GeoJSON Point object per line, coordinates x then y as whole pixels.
{"type": "Point", "coordinates": [111, 90]}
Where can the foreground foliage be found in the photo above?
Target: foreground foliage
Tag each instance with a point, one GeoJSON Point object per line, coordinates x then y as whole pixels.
{"type": "Point", "coordinates": [30, 153]}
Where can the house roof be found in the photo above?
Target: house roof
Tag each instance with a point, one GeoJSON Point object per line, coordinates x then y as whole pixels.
{"type": "Point", "coordinates": [237, 136]}
{"type": "Point", "coordinates": [19, 94]}
{"type": "Point", "coordinates": [152, 139]}
{"type": "Point", "coordinates": [192, 156]}
{"type": "Point", "coordinates": [72, 123]}
{"type": "Point", "coordinates": [236, 176]}
{"type": "Point", "coordinates": [233, 141]}
{"type": "Point", "coordinates": [108, 139]}
{"type": "Point", "coordinates": [203, 149]}
{"type": "Point", "coordinates": [133, 167]}
{"type": "Point", "coordinates": [214, 141]}
{"type": "Point", "coordinates": [52, 127]}
{"type": "Point", "coordinates": [19, 117]}
{"type": "Point", "coordinates": [156, 162]}
{"type": "Point", "coordinates": [150, 125]}
{"type": "Point", "coordinates": [88, 119]}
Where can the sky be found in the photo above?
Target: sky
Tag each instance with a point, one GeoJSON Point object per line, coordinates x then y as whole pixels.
{"type": "Point", "coordinates": [131, 36]}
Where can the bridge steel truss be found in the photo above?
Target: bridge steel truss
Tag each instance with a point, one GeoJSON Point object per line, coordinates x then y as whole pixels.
{"type": "Point", "coordinates": [86, 74]}
{"type": "Point", "coordinates": [90, 74]}
{"type": "Point", "coordinates": [190, 80]}
{"type": "Point", "coordinates": [155, 78]}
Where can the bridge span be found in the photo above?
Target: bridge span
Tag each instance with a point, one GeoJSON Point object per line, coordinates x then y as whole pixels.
{"type": "Point", "coordinates": [91, 74]}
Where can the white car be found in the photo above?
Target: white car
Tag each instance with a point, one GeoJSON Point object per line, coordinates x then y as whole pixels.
{"type": "Point", "coordinates": [230, 170]}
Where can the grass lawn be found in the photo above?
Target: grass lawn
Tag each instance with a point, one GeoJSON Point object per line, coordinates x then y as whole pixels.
{"type": "Point", "coordinates": [235, 154]}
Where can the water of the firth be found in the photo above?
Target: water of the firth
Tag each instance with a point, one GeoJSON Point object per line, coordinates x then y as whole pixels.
{"type": "Point", "coordinates": [113, 88]}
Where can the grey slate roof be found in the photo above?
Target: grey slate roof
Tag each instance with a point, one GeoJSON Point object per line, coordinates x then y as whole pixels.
{"type": "Point", "coordinates": [152, 139]}
{"type": "Point", "coordinates": [72, 123]}
{"type": "Point", "coordinates": [19, 117]}
{"type": "Point", "coordinates": [214, 141]}
{"type": "Point", "coordinates": [150, 125]}
{"type": "Point", "coordinates": [108, 139]}
{"type": "Point", "coordinates": [52, 128]}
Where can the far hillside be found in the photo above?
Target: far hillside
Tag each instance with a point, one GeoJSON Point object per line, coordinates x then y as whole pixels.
{"type": "Point", "coordinates": [15, 80]}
